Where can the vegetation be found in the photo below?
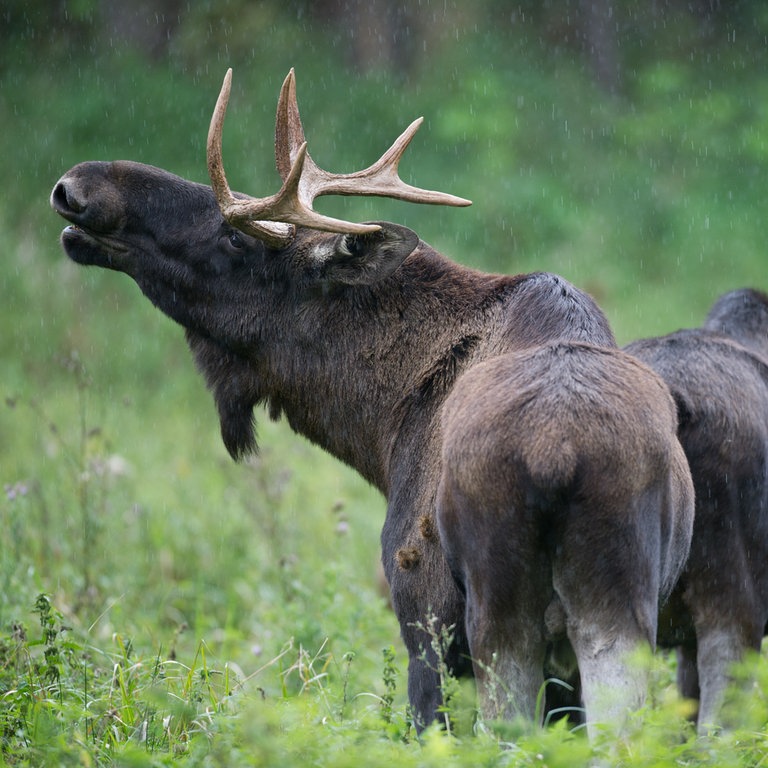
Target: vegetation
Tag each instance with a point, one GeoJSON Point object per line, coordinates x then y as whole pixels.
{"type": "Point", "coordinates": [160, 605]}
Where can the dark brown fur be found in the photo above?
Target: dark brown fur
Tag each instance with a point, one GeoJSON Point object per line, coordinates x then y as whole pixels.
{"type": "Point", "coordinates": [357, 341]}
{"type": "Point", "coordinates": [719, 376]}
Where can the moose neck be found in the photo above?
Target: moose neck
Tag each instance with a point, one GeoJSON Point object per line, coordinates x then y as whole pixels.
{"type": "Point", "coordinates": [345, 366]}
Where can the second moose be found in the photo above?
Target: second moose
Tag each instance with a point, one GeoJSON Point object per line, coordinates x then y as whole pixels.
{"type": "Point", "coordinates": [718, 375]}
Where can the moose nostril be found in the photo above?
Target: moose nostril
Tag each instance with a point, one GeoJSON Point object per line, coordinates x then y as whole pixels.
{"type": "Point", "coordinates": [65, 199]}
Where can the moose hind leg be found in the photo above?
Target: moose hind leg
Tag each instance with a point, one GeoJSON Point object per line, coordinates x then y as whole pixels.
{"type": "Point", "coordinates": [508, 658]}
{"type": "Point", "coordinates": [505, 630]}
{"type": "Point", "coordinates": [611, 623]}
{"type": "Point", "coordinates": [719, 648]}
{"type": "Point", "coordinates": [611, 599]}
{"type": "Point", "coordinates": [687, 672]}
{"type": "Point", "coordinates": [614, 678]}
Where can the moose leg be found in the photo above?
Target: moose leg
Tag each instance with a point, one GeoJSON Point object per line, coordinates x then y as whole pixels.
{"type": "Point", "coordinates": [728, 619]}
{"type": "Point", "coordinates": [614, 682]}
{"type": "Point", "coordinates": [430, 610]}
{"type": "Point", "coordinates": [508, 657]}
{"type": "Point", "coordinates": [493, 544]}
{"type": "Point", "coordinates": [719, 648]}
{"type": "Point", "coordinates": [430, 659]}
{"type": "Point", "coordinates": [611, 606]}
{"type": "Point", "coordinates": [687, 672]}
{"type": "Point", "coordinates": [425, 694]}
{"type": "Point", "coordinates": [508, 586]}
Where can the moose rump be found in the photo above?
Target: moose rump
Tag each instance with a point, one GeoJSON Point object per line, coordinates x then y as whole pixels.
{"type": "Point", "coordinates": [565, 508]}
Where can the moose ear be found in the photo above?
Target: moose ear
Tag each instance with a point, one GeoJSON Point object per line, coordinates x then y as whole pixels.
{"type": "Point", "coordinates": [366, 259]}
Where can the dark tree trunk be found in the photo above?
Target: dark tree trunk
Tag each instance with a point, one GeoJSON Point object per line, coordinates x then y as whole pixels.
{"type": "Point", "coordinates": [377, 34]}
{"type": "Point", "coordinates": [600, 32]}
{"type": "Point", "coordinates": [146, 25]}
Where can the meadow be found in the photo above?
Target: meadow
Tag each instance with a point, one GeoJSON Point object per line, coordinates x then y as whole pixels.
{"type": "Point", "coordinates": [161, 605]}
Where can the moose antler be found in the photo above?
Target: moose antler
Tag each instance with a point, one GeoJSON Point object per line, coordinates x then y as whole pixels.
{"type": "Point", "coordinates": [271, 219]}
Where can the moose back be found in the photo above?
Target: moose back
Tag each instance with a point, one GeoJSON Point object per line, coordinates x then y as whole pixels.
{"type": "Point", "coordinates": [495, 413]}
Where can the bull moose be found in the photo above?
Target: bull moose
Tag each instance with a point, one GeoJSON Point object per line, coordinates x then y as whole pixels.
{"type": "Point", "coordinates": [718, 375]}
{"type": "Point", "coordinates": [555, 455]}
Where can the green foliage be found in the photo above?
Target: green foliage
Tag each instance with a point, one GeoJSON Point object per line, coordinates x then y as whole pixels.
{"type": "Point", "coordinates": [66, 701]}
{"type": "Point", "coordinates": [188, 611]}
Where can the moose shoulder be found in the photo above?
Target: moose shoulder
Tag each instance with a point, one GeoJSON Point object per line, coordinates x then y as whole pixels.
{"type": "Point", "coordinates": [358, 335]}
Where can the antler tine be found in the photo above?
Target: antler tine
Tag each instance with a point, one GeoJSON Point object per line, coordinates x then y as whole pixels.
{"type": "Point", "coordinates": [289, 133]}
{"type": "Point", "coordinates": [382, 178]}
{"type": "Point", "coordinates": [235, 210]}
{"type": "Point", "coordinates": [289, 137]}
{"type": "Point", "coordinates": [213, 146]}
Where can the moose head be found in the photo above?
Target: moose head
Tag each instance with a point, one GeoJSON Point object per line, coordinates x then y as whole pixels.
{"type": "Point", "coordinates": [228, 266]}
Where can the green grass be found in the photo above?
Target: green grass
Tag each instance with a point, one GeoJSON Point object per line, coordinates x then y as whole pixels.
{"type": "Point", "coordinates": [70, 700]}
{"type": "Point", "coordinates": [203, 613]}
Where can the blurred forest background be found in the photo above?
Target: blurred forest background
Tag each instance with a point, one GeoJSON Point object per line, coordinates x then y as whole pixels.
{"type": "Point", "coordinates": [620, 143]}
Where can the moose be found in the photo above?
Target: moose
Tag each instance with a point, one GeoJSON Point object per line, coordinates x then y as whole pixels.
{"type": "Point", "coordinates": [537, 496]}
{"type": "Point", "coordinates": [718, 376]}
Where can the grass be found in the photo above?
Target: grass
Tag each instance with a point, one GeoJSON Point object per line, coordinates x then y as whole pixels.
{"type": "Point", "coordinates": [160, 605]}
{"type": "Point", "coordinates": [69, 701]}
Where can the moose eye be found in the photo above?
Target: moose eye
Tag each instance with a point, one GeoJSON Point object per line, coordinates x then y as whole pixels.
{"type": "Point", "coordinates": [236, 240]}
